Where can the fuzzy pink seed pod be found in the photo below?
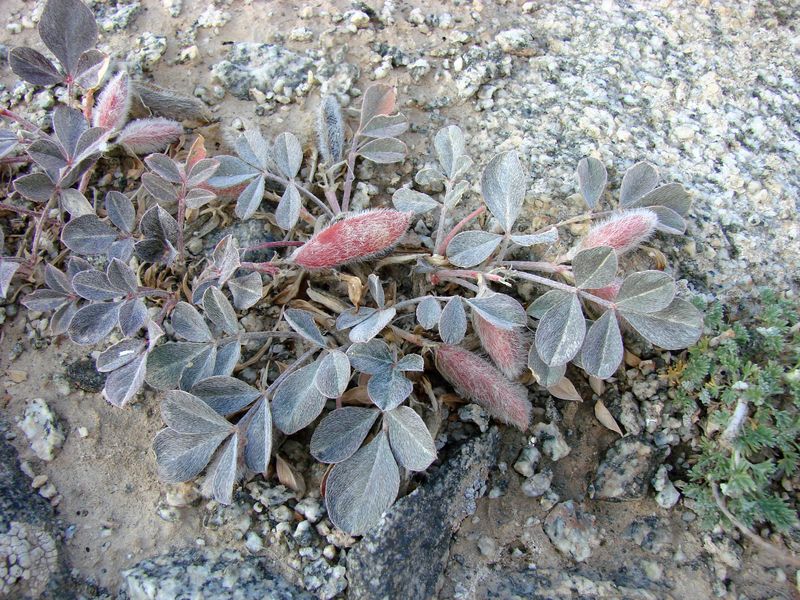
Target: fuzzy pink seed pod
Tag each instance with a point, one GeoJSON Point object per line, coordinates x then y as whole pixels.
{"type": "Point", "coordinates": [508, 348]}
{"type": "Point", "coordinates": [608, 292]}
{"type": "Point", "coordinates": [144, 136]}
{"type": "Point", "coordinates": [353, 238]}
{"type": "Point", "coordinates": [111, 111]}
{"type": "Point", "coordinates": [479, 381]}
{"type": "Point", "coordinates": [623, 231]}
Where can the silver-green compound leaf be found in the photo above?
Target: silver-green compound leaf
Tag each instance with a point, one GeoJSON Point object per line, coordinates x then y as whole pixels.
{"type": "Point", "coordinates": [592, 178]}
{"type": "Point", "coordinates": [246, 290]}
{"type": "Point", "coordinates": [181, 456]}
{"type": "Point", "coordinates": [227, 357]}
{"type": "Point", "coordinates": [333, 374]}
{"type": "Point", "coordinates": [500, 310]}
{"type": "Point", "coordinates": [645, 292]}
{"type": "Point", "coordinates": [470, 248]}
{"type": "Point", "coordinates": [132, 316]}
{"type": "Point", "coordinates": [93, 322]}
{"type": "Point", "coordinates": [166, 363]}
{"type": "Point", "coordinates": [376, 290]}
{"type": "Point", "coordinates": [545, 376]}
{"type": "Point", "coordinates": [389, 388]}
{"type": "Point", "coordinates": [189, 324]}
{"type": "Point", "coordinates": [411, 362]}
{"type": "Point", "coordinates": [677, 326]}
{"type": "Point", "coordinates": [297, 400]}
{"type": "Point", "coordinates": [453, 322]}
{"type": "Point", "coordinates": [361, 488]}
{"type": "Point", "coordinates": [669, 221]}
{"type": "Point", "coordinates": [121, 211]}
{"type": "Point", "coordinates": [372, 325]}
{"type": "Point", "coordinates": [250, 198]}
{"type": "Point", "coordinates": [671, 195]}
{"type": "Point", "coordinates": [384, 151]}
{"type": "Point", "coordinates": [559, 336]}
{"type": "Point", "coordinates": [68, 28]}
{"type": "Point", "coordinates": [371, 357]}
{"type": "Point", "coordinates": [253, 148]}
{"type": "Point", "coordinates": [232, 171]}
{"type": "Point", "coordinates": [453, 197]}
{"type": "Point", "coordinates": [303, 323]}
{"type": "Point", "coordinates": [125, 382]}
{"type": "Point", "coordinates": [406, 200]}
{"type": "Point", "coordinates": [640, 179]}
{"type": "Point", "coordinates": [94, 285]}
{"type": "Point", "coordinates": [118, 355]}
{"type": "Point", "coordinates": [88, 235]}
{"type": "Point", "coordinates": [186, 413]}
{"type": "Point", "coordinates": [199, 368]}
{"type": "Point", "coordinates": [385, 126]}
{"type": "Point", "coordinates": [602, 349]}
{"type": "Point", "coordinates": [221, 475]}
{"type": "Point", "coordinates": [595, 268]}
{"type": "Point", "coordinates": [449, 146]}
{"type": "Point", "coordinates": [503, 188]}
{"type": "Point", "coordinates": [219, 311]}
{"type": "Point", "coordinates": [121, 276]}
{"type": "Point", "coordinates": [258, 437]}
{"type": "Point", "coordinates": [428, 312]}
{"type": "Point", "coordinates": [341, 433]}
{"type": "Point", "coordinates": [545, 302]}
{"type": "Point", "coordinates": [288, 210]}
{"type": "Point", "coordinates": [352, 317]}
{"type": "Point", "coordinates": [225, 395]}
{"type": "Point", "coordinates": [288, 154]}
{"type": "Point", "coordinates": [410, 440]}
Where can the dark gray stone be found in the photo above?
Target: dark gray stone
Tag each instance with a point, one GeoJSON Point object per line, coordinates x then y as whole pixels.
{"type": "Point", "coordinates": [195, 573]}
{"type": "Point", "coordinates": [31, 555]}
{"type": "Point", "coordinates": [405, 555]}
{"type": "Point", "coordinates": [626, 470]}
{"type": "Point", "coordinates": [556, 584]}
{"type": "Point", "coordinates": [246, 233]}
{"type": "Point", "coordinates": [83, 374]}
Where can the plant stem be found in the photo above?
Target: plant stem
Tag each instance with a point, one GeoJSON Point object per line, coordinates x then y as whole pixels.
{"type": "Point", "coordinates": [441, 247]}
{"type": "Point", "coordinates": [23, 211]}
{"type": "Point", "coordinates": [10, 160]}
{"type": "Point", "coordinates": [4, 112]}
{"type": "Point", "coordinates": [290, 369]}
{"type": "Point", "coordinates": [37, 232]}
{"type": "Point", "coordinates": [561, 286]}
{"type": "Point", "coordinates": [468, 273]}
{"type": "Point", "coordinates": [503, 247]}
{"type": "Point", "coordinates": [462, 282]}
{"type": "Point", "coordinates": [442, 214]}
{"type": "Point", "coordinates": [527, 265]}
{"type": "Point", "coordinates": [783, 555]}
{"type": "Point", "coordinates": [181, 219]}
{"type": "Point", "coordinates": [261, 267]}
{"type": "Point", "coordinates": [302, 190]}
{"type": "Point", "coordinates": [350, 176]}
{"type": "Point", "coordinates": [279, 244]}
{"type": "Point", "coordinates": [417, 340]}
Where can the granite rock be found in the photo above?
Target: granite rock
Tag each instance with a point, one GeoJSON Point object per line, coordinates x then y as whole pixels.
{"type": "Point", "coordinates": [572, 530]}
{"type": "Point", "coordinates": [625, 471]}
{"type": "Point", "coordinates": [406, 553]}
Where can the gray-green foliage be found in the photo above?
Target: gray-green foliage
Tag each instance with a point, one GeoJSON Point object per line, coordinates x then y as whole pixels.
{"type": "Point", "coordinates": [178, 319]}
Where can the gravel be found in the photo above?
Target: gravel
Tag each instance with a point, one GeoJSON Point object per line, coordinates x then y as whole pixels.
{"type": "Point", "coordinates": [572, 530]}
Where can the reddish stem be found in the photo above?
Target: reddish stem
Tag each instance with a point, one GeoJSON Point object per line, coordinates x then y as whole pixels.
{"type": "Point", "coordinates": [459, 226]}
{"type": "Point", "coordinates": [279, 244]}
{"type": "Point", "coordinates": [261, 267]}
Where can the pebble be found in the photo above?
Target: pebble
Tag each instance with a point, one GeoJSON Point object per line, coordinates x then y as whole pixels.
{"type": "Point", "coordinates": [41, 427]}
{"type": "Point", "coordinates": [253, 543]}
{"type": "Point", "coordinates": [549, 437]}
{"type": "Point", "coordinates": [538, 484]}
{"type": "Point", "coordinates": [38, 481]}
{"type": "Point", "coordinates": [487, 546]}
{"type": "Point", "coordinates": [572, 531]}
{"type": "Point", "coordinates": [527, 461]}
{"type": "Point", "coordinates": [17, 376]}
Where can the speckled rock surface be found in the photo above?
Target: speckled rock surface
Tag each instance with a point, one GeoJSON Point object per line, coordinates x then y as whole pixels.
{"type": "Point", "coordinates": [404, 556]}
{"type": "Point", "coordinates": [554, 584]}
{"type": "Point", "coordinates": [193, 573]}
{"type": "Point", "coordinates": [31, 556]}
{"type": "Point", "coordinates": [626, 469]}
{"type": "Point", "coordinates": [572, 530]}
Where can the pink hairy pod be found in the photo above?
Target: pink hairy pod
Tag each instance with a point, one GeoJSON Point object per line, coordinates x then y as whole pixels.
{"type": "Point", "coordinates": [624, 231]}
{"type": "Point", "coordinates": [144, 136]}
{"type": "Point", "coordinates": [508, 348]}
{"type": "Point", "coordinates": [608, 292]}
{"type": "Point", "coordinates": [479, 381]}
{"type": "Point", "coordinates": [112, 107]}
{"type": "Point", "coordinates": [352, 238]}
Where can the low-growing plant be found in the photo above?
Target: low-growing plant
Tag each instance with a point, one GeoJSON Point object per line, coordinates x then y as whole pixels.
{"type": "Point", "coordinates": [364, 366]}
{"type": "Point", "coordinates": [741, 382]}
